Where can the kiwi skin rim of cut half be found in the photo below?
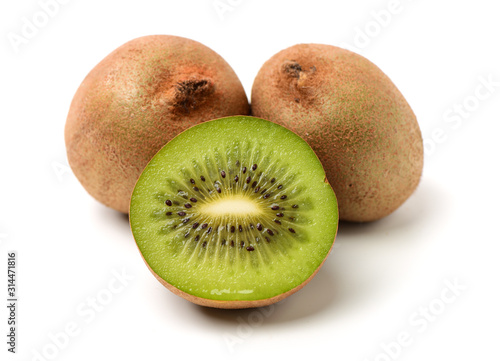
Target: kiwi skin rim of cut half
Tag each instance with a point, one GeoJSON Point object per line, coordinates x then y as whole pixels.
{"type": "Point", "coordinates": [240, 304]}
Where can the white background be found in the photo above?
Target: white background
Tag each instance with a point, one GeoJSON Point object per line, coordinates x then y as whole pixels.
{"type": "Point", "coordinates": [380, 279]}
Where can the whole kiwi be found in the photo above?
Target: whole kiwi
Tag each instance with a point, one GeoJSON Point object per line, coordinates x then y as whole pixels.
{"type": "Point", "coordinates": [353, 116]}
{"type": "Point", "coordinates": [137, 99]}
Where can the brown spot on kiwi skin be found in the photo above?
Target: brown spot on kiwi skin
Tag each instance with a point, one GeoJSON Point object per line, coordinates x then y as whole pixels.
{"type": "Point", "coordinates": [126, 109]}
{"type": "Point", "coordinates": [364, 132]}
{"type": "Point", "coordinates": [292, 68]}
{"type": "Point", "coordinates": [297, 80]}
{"type": "Point", "coordinates": [191, 93]}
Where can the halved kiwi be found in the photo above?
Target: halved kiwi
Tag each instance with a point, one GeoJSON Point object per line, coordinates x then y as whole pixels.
{"type": "Point", "coordinates": [234, 213]}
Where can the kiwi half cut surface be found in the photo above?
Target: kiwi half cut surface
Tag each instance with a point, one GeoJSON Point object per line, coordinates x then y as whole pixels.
{"type": "Point", "coordinates": [234, 213]}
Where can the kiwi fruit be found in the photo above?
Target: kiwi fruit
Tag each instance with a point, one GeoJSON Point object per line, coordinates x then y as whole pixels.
{"type": "Point", "coordinates": [137, 99]}
{"type": "Point", "coordinates": [234, 213]}
{"type": "Point", "coordinates": [355, 119]}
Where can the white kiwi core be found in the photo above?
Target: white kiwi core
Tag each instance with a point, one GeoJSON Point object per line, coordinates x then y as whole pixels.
{"type": "Point", "coordinates": [235, 205]}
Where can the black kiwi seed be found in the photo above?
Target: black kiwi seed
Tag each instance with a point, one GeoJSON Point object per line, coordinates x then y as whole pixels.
{"type": "Point", "coordinates": [232, 243]}
{"type": "Point", "coordinates": [271, 233]}
{"type": "Point", "coordinates": [257, 190]}
{"type": "Point", "coordinates": [204, 244]}
{"type": "Point", "coordinates": [295, 206]}
{"type": "Point", "coordinates": [223, 174]}
{"type": "Point", "coordinates": [283, 196]}
{"type": "Point", "coordinates": [195, 225]}
{"type": "Point", "coordinates": [273, 180]}
{"type": "Point", "coordinates": [264, 191]}
{"type": "Point", "coordinates": [188, 205]}
{"type": "Point", "coordinates": [204, 225]}
{"type": "Point", "coordinates": [194, 200]}
{"type": "Point", "coordinates": [209, 230]}
{"type": "Point", "coordinates": [196, 189]}
{"type": "Point", "coordinates": [185, 220]}
{"type": "Point", "coordinates": [275, 208]}
{"type": "Point", "coordinates": [236, 178]}
{"type": "Point", "coordinates": [218, 190]}
{"type": "Point", "coordinates": [259, 226]}
{"type": "Point", "coordinates": [202, 178]}
{"type": "Point", "coordinates": [186, 235]}
{"type": "Point", "coordinates": [254, 184]}
{"type": "Point", "coordinates": [280, 186]}
{"type": "Point", "coordinates": [242, 244]}
{"type": "Point", "coordinates": [169, 213]}
{"type": "Point", "coordinates": [248, 180]}
{"type": "Point", "coordinates": [244, 170]}
{"type": "Point", "coordinates": [279, 214]}
{"type": "Point", "coordinates": [223, 242]}
{"type": "Point", "coordinates": [197, 238]}
{"type": "Point", "coordinates": [192, 180]}
{"type": "Point", "coordinates": [250, 248]}
{"type": "Point", "coordinates": [232, 229]}
{"type": "Point", "coordinates": [268, 240]}
{"type": "Point", "coordinates": [240, 228]}
{"type": "Point", "coordinates": [277, 221]}
{"type": "Point", "coordinates": [266, 196]}
{"type": "Point", "coordinates": [254, 167]}
{"type": "Point", "coordinates": [168, 202]}
{"type": "Point", "coordinates": [182, 214]}
{"type": "Point", "coordinates": [291, 230]}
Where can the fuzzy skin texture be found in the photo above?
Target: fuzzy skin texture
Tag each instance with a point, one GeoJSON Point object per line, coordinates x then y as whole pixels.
{"type": "Point", "coordinates": [355, 119]}
{"type": "Point", "coordinates": [137, 99]}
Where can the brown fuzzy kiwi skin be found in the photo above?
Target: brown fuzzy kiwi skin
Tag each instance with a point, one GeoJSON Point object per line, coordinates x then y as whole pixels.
{"type": "Point", "coordinates": [137, 99]}
{"type": "Point", "coordinates": [355, 119]}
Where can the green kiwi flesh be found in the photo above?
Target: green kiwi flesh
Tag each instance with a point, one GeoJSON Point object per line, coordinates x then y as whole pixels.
{"type": "Point", "coordinates": [234, 213]}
